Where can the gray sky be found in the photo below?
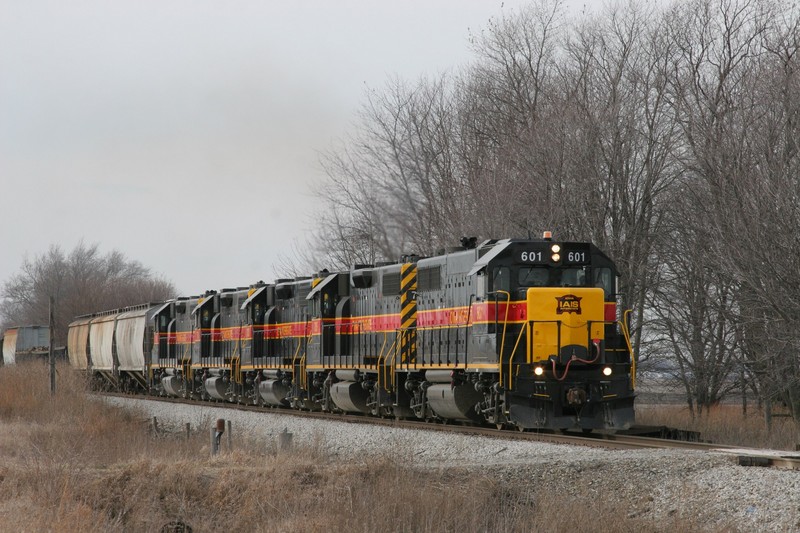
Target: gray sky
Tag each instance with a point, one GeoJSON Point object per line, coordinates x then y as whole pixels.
{"type": "Point", "coordinates": [185, 133]}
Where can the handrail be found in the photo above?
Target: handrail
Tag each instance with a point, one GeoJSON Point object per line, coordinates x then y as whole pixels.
{"type": "Point", "coordinates": [468, 331]}
{"type": "Point", "coordinates": [511, 357]}
{"type": "Point", "coordinates": [235, 366]}
{"type": "Point", "coordinates": [394, 349]}
{"type": "Point", "coordinates": [626, 333]}
{"type": "Point", "coordinates": [188, 371]}
{"type": "Point", "coordinates": [391, 365]}
{"type": "Point", "coordinates": [381, 356]}
{"type": "Point", "coordinates": [296, 353]}
{"type": "Point", "coordinates": [505, 325]}
{"type": "Point", "coordinates": [234, 370]}
{"type": "Point", "coordinates": [306, 339]}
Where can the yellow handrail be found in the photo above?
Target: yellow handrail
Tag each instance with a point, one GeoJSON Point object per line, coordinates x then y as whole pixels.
{"type": "Point", "coordinates": [626, 333]}
{"type": "Point", "coordinates": [296, 353]}
{"type": "Point", "coordinates": [511, 358]}
{"type": "Point", "coordinates": [188, 371]}
{"type": "Point", "coordinates": [235, 365]}
{"type": "Point", "coordinates": [394, 349]}
{"type": "Point", "coordinates": [303, 376]}
{"type": "Point", "coordinates": [381, 356]}
{"type": "Point", "coordinates": [505, 325]}
{"type": "Point", "coordinates": [391, 365]}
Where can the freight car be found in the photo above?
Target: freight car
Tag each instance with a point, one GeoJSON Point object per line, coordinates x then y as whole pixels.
{"type": "Point", "coordinates": [24, 342]}
{"type": "Point", "coordinates": [515, 332]}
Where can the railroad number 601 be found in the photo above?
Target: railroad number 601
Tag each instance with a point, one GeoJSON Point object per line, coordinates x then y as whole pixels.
{"type": "Point", "coordinates": [533, 257]}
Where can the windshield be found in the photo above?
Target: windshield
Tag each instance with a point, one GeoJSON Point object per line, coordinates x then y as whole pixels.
{"type": "Point", "coordinates": [551, 277]}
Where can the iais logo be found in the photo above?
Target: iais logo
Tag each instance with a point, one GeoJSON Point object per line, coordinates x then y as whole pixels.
{"type": "Point", "coordinates": [569, 303]}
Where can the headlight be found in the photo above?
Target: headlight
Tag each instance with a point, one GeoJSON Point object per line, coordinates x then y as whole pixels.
{"type": "Point", "coordinates": [607, 371]}
{"type": "Point", "coordinates": [555, 248]}
{"type": "Point", "coordinates": [556, 258]}
{"type": "Point", "coordinates": [538, 370]}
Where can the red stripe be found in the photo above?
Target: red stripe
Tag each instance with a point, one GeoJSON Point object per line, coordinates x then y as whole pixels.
{"type": "Point", "coordinates": [611, 312]}
{"type": "Point", "coordinates": [482, 312]}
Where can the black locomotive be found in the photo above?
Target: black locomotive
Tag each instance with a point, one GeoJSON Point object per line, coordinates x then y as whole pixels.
{"type": "Point", "coordinates": [512, 332]}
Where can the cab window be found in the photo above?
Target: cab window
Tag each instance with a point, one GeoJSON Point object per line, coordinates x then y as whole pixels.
{"type": "Point", "coordinates": [602, 278]}
{"type": "Point", "coordinates": [501, 279]}
{"type": "Point", "coordinates": [533, 277]}
{"type": "Point", "coordinates": [573, 277]}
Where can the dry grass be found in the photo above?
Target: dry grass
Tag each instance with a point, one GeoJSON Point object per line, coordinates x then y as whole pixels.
{"type": "Point", "coordinates": [725, 424]}
{"type": "Point", "coordinates": [71, 463]}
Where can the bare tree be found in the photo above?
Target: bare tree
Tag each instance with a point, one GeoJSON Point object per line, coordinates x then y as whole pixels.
{"type": "Point", "coordinates": [394, 187]}
{"type": "Point", "coordinates": [508, 115]}
{"type": "Point", "coordinates": [625, 129]}
{"type": "Point", "coordinates": [735, 90]}
{"type": "Point", "coordinates": [694, 307]}
{"type": "Point", "coordinates": [615, 134]}
{"type": "Point", "coordinates": [81, 282]}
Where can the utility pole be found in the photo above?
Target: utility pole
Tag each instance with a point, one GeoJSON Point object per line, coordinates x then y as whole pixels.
{"type": "Point", "coordinates": [52, 354]}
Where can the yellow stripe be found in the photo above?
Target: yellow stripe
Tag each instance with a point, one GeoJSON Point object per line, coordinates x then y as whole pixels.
{"type": "Point", "coordinates": [401, 366]}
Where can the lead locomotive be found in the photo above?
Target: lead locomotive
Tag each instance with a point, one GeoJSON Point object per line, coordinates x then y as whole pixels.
{"type": "Point", "coordinates": [511, 332]}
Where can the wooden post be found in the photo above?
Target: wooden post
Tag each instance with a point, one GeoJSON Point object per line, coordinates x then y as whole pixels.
{"type": "Point", "coordinates": [216, 435]}
{"type": "Point", "coordinates": [188, 430]}
{"type": "Point", "coordinates": [230, 437]}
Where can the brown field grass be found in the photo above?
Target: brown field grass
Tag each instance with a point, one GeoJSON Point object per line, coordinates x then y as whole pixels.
{"type": "Point", "coordinates": [72, 463]}
{"type": "Point", "coordinates": [725, 424]}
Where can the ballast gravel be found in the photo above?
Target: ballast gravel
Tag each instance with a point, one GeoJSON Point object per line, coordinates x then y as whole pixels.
{"type": "Point", "coordinates": [706, 487]}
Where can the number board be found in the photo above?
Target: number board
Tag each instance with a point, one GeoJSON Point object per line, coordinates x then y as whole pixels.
{"type": "Point", "coordinates": [575, 255]}
{"type": "Point", "coordinates": [533, 257]}
{"type": "Point", "coordinates": [571, 254]}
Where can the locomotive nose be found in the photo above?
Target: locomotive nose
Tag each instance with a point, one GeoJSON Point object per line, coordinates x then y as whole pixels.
{"type": "Point", "coordinates": [565, 322]}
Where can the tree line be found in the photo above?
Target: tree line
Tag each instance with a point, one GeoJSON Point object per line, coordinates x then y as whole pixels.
{"type": "Point", "coordinates": [80, 282]}
{"type": "Point", "coordinates": [666, 134]}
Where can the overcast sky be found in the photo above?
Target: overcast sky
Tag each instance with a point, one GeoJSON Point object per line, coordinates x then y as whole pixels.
{"type": "Point", "coordinates": [185, 133]}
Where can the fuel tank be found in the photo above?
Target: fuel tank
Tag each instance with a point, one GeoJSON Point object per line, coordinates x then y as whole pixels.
{"type": "Point", "coordinates": [457, 403]}
{"type": "Point", "coordinates": [172, 385]}
{"type": "Point", "coordinates": [350, 396]}
{"type": "Point", "coordinates": [216, 388]}
{"type": "Point", "coordinates": [274, 392]}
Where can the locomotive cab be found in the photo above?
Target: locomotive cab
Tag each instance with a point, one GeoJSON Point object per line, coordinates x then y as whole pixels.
{"type": "Point", "coordinates": [563, 357]}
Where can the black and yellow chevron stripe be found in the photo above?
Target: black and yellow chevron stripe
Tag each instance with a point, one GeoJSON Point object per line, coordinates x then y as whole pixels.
{"type": "Point", "coordinates": [408, 313]}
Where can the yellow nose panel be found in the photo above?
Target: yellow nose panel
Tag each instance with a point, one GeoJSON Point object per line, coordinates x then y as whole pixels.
{"type": "Point", "coordinates": [564, 316]}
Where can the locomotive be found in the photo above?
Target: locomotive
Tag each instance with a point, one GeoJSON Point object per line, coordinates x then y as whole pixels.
{"type": "Point", "coordinates": [514, 333]}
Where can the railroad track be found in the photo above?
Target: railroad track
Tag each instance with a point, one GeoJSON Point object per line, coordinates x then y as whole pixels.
{"type": "Point", "coordinates": [743, 456]}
